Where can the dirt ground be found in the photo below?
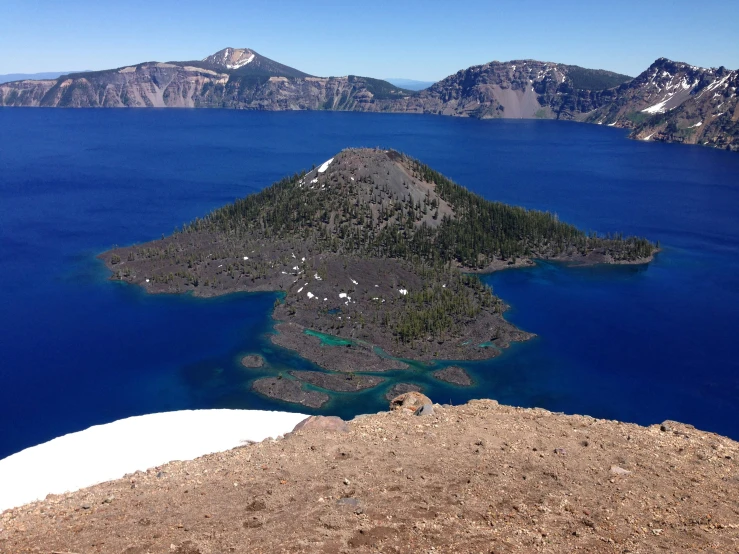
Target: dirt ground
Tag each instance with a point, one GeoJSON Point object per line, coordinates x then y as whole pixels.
{"type": "Point", "coordinates": [474, 478]}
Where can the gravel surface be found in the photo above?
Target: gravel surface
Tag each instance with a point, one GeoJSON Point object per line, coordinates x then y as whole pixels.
{"type": "Point", "coordinates": [474, 478]}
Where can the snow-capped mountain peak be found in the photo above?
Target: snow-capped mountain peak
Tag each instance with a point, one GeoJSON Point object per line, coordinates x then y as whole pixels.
{"type": "Point", "coordinates": [231, 58]}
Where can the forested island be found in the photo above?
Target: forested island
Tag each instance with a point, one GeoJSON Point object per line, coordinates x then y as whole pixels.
{"type": "Point", "coordinates": [376, 254]}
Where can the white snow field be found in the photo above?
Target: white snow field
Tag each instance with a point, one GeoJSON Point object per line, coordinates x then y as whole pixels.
{"type": "Point", "coordinates": [106, 452]}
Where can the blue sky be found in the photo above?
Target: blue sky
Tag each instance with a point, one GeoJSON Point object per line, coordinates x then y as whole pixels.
{"type": "Point", "coordinates": [418, 40]}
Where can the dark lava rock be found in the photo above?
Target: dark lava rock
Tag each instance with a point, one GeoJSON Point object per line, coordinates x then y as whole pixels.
{"type": "Point", "coordinates": [289, 391]}
{"type": "Point", "coordinates": [401, 388]}
{"type": "Point", "coordinates": [347, 382]}
{"type": "Point", "coordinates": [453, 374]}
{"type": "Point", "coordinates": [252, 360]}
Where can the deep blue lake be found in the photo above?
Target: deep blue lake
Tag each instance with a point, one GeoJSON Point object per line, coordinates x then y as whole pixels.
{"type": "Point", "coordinates": [636, 343]}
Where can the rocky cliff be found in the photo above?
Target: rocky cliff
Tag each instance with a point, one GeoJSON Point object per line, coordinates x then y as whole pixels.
{"type": "Point", "coordinates": [677, 102]}
{"type": "Point", "coordinates": [670, 101]}
{"type": "Point", "coordinates": [516, 89]}
{"type": "Point", "coordinates": [232, 78]}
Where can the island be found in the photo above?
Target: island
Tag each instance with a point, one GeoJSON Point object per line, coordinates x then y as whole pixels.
{"type": "Point", "coordinates": [288, 390]}
{"type": "Point", "coordinates": [401, 388]}
{"type": "Point", "coordinates": [454, 375]}
{"type": "Point", "coordinates": [376, 257]}
{"type": "Point", "coordinates": [347, 382]}
{"type": "Point", "coordinates": [252, 361]}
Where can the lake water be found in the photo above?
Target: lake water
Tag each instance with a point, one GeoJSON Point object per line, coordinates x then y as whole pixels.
{"type": "Point", "coordinates": [639, 343]}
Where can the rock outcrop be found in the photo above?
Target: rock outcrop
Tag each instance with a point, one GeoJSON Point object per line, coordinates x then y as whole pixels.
{"type": "Point", "coordinates": [677, 102]}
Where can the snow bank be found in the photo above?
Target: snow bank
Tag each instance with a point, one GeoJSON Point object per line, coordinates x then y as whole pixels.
{"type": "Point", "coordinates": [324, 166]}
{"type": "Point", "coordinates": [107, 452]}
{"type": "Point", "coordinates": [658, 108]}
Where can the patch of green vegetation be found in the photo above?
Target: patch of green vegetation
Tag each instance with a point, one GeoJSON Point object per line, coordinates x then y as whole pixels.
{"type": "Point", "coordinates": [541, 113]}
{"type": "Point", "coordinates": [479, 232]}
{"type": "Point", "coordinates": [381, 90]}
{"type": "Point", "coordinates": [365, 218]}
{"type": "Point", "coordinates": [483, 229]}
{"type": "Point", "coordinates": [437, 310]}
{"type": "Point", "coordinates": [594, 79]}
{"type": "Point", "coordinates": [637, 117]}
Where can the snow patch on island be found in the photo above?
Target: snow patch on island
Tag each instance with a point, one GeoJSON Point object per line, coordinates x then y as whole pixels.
{"type": "Point", "coordinates": [106, 452]}
{"type": "Point", "coordinates": [324, 165]}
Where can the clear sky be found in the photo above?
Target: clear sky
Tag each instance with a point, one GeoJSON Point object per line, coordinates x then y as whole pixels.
{"type": "Point", "coordinates": [425, 40]}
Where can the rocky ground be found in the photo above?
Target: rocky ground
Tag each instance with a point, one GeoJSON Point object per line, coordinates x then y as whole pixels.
{"type": "Point", "coordinates": [288, 390]}
{"type": "Point", "coordinates": [338, 383]}
{"type": "Point", "coordinates": [474, 478]}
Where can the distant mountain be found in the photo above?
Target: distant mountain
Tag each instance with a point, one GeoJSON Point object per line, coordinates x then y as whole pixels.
{"type": "Point", "coordinates": [515, 89]}
{"type": "Point", "coordinates": [677, 102]}
{"type": "Point", "coordinates": [410, 84]}
{"type": "Point", "coordinates": [237, 78]}
{"type": "Point", "coordinates": [244, 61]}
{"type": "Point", "coordinates": [10, 77]}
{"type": "Point", "coordinates": [671, 101]}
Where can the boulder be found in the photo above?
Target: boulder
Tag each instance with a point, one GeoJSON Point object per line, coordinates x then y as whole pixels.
{"type": "Point", "coordinates": [324, 423]}
{"type": "Point", "coordinates": [410, 401]}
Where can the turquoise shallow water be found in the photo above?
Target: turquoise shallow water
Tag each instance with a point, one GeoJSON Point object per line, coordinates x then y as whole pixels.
{"type": "Point", "coordinates": [638, 343]}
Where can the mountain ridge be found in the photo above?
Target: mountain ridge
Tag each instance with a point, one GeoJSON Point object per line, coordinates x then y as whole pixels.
{"type": "Point", "coordinates": [670, 101]}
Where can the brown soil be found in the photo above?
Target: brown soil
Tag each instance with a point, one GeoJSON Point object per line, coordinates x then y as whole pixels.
{"type": "Point", "coordinates": [474, 478]}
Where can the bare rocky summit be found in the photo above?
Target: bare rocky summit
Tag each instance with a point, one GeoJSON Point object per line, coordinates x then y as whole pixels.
{"type": "Point", "coordinates": [474, 478]}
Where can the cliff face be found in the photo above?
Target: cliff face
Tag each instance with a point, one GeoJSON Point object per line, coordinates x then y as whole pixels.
{"type": "Point", "coordinates": [677, 102]}
{"type": "Point", "coordinates": [670, 101]}
{"type": "Point", "coordinates": [170, 85]}
{"type": "Point", "coordinates": [516, 89]}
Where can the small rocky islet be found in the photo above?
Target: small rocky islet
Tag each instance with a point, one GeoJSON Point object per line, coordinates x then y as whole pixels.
{"type": "Point", "coordinates": [375, 255]}
{"type": "Point", "coordinates": [252, 361]}
{"type": "Point", "coordinates": [454, 375]}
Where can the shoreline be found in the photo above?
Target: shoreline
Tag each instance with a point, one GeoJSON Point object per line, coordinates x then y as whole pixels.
{"type": "Point", "coordinates": [361, 356]}
{"type": "Point", "coordinates": [569, 260]}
